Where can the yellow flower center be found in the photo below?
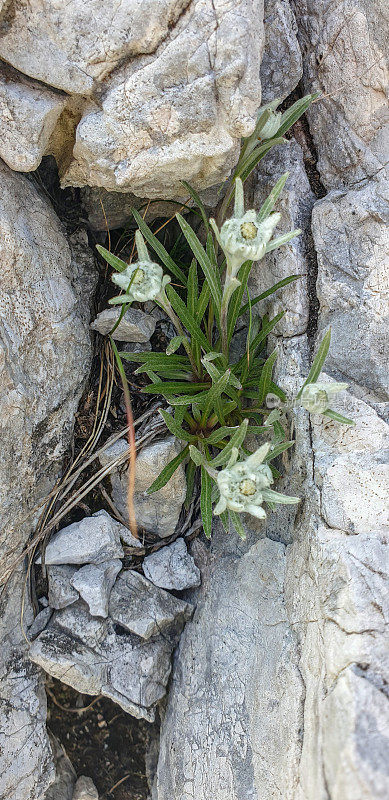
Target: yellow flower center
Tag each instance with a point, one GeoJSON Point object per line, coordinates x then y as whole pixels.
{"type": "Point", "coordinates": [138, 277]}
{"type": "Point", "coordinates": [247, 487]}
{"type": "Point", "coordinates": [248, 230]}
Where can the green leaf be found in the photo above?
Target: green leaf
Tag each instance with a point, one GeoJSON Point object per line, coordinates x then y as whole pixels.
{"type": "Point", "coordinates": [199, 203]}
{"type": "Point", "coordinates": [265, 379]}
{"type": "Point", "coordinates": [220, 433]}
{"type": "Point", "coordinates": [206, 502]}
{"type": "Point", "coordinates": [190, 478]}
{"type": "Point", "coordinates": [268, 292]}
{"type": "Point", "coordinates": [292, 114]}
{"type": "Point", "coordinates": [159, 248]}
{"type": "Point", "coordinates": [245, 361]}
{"type": "Point", "coordinates": [202, 304]}
{"type": "Point", "coordinates": [270, 496]}
{"type": "Point", "coordinates": [214, 393]}
{"type": "Point", "coordinates": [234, 309]}
{"type": "Point", "coordinates": [224, 519]}
{"type": "Point", "coordinates": [237, 523]}
{"type": "Point", "coordinates": [172, 387]}
{"type": "Point", "coordinates": [186, 318]}
{"type": "Point", "coordinates": [197, 457]}
{"type": "Point", "coordinates": [338, 417]}
{"type": "Point", "coordinates": [193, 288]}
{"type": "Point", "coordinates": [174, 344]}
{"type": "Point", "coordinates": [271, 200]}
{"type": "Point", "coordinates": [175, 428]}
{"type": "Point", "coordinates": [210, 270]}
{"type": "Point", "coordinates": [277, 449]}
{"type": "Point", "coordinates": [150, 357]}
{"type": "Point", "coordinates": [318, 361]}
{"type": "Point", "coordinates": [168, 471]}
{"type": "Point", "coordinates": [236, 440]}
{"type": "Point", "coordinates": [256, 156]}
{"type": "Point", "coordinates": [189, 399]}
{"type": "Point", "coordinates": [117, 263]}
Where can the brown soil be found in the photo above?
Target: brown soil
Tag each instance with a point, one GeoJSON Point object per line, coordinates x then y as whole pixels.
{"type": "Point", "coordinates": [102, 742]}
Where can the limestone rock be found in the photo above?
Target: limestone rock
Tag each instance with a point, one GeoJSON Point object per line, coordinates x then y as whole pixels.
{"type": "Point", "coordinates": [96, 656]}
{"type": "Point", "coordinates": [351, 238]}
{"type": "Point", "coordinates": [27, 767]}
{"type": "Point", "coordinates": [344, 47]}
{"type": "Point", "coordinates": [281, 65]}
{"type": "Point", "coordinates": [154, 129]}
{"type": "Point", "coordinates": [144, 609]}
{"type": "Point", "coordinates": [40, 622]}
{"type": "Point", "coordinates": [94, 583]}
{"type": "Point", "coordinates": [295, 205]}
{"type": "Point", "coordinates": [118, 208]}
{"type": "Point", "coordinates": [28, 115]}
{"type": "Point", "coordinates": [236, 693]}
{"type": "Point", "coordinates": [158, 512]}
{"type": "Point", "coordinates": [92, 540]}
{"type": "Point", "coordinates": [61, 591]}
{"type": "Point", "coordinates": [65, 777]}
{"type": "Point", "coordinates": [172, 567]}
{"type": "Point", "coordinates": [85, 789]}
{"type": "Point", "coordinates": [76, 45]}
{"type": "Point", "coordinates": [135, 326]}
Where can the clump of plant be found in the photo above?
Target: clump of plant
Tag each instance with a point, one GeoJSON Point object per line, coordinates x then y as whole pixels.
{"type": "Point", "coordinates": [218, 405]}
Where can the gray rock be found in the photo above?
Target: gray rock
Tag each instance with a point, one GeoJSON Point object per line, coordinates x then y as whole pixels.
{"type": "Point", "coordinates": [65, 776]}
{"type": "Point", "coordinates": [96, 657]}
{"type": "Point", "coordinates": [295, 205]}
{"type": "Point", "coordinates": [27, 767]}
{"type": "Point", "coordinates": [28, 115]}
{"type": "Point", "coordinates": [172, 567]}
{"type": "Point", "coordinates": [92, 540]}
{"type": "Point", "coordinates": [345, 47]}
{"type": "Point", "coordinates": [281, 66]}
{"type": "Point", "coordinates": [61, 591]}
{"type": "Point", "coordinates": [160, 511]}
{"type": "Point", "coordinates": [85, 789]}
{"type": "Point", "coordinates": [118, 208]}
{"type": "Point", "coordinates": [94, 583]}
{"type": "Point", "coordinates": [40, 622]}
{"type": "Point", "coordinates": [135, 326]}
{"type": "Point", "coordinates": [144, 609]}
{"type": "Point", "coordinates": [152, 129]}
{"type": "Point", "coordinates": [46, 284]}
{"type": "Point", "coordinates": [350, 233]}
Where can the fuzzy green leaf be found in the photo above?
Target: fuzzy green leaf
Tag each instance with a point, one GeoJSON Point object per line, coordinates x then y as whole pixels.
{"type": "Point", "coordinates": [271, 200]}
{"type": "Point", "coordinates": [318, 361]}
{"type": "Point", "coordinates": [236, 441]}
{"type": "Point", "coordinates": [174, 344]}
{"type": "Point", "coordinates": [117, 263]}
{"type": "Point", "coordinates": [206, 502]}
{"type": "Point", "coordinates": [187, 319]}
{"type": "Point", "coordinates": [172, 387]}
{"type": "Point", "coordinates": [177, 430]}
{"type": "Point", "coordinates": [338, 417]}
{"type": "Point", "coordinates": [238, 525]}
{"type": "Point", "coordinates": [210, 270]}
{"type": "Point", "coordinates": [265, 379]}
{"type": "Point", "coordinates": [292, 114]}
{"type": "Point", "coordinates": [199, 203]}
{"type": "Point", "coordinates": [159, 248]}
{"type": "Point", "coordinates": [268, 292]}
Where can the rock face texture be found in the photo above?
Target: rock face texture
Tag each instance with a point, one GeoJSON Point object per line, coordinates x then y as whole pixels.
{"type": "Point", "coordinates": [162, 94]}
{"type": "Point", "coordinates": [45, 353]}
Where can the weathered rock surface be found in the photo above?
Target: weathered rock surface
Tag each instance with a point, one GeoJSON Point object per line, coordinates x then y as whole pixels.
{"type": "Point", "coordinates": [295, 204]}
{"type": "Point", "coordinates": [153, 129]}
{"type": "Point", "coordinates": [135, 326]}
{"type": "Point", "coordinates": [27, 767]}
{"type": "Point", "coordinates": [94, 540]}
{"type": "Point", "coordinates": [160, 511]}
{"type": "Point", "coordinates": [40, 622]}
{"type": "Point", "coordinates": [94, 583]}
{"type": "Point", "coordinates": [352, 242]}
{"type": "Point", "coordinates": [144, 609]}
{"type": "Point", "coordinates": [61, 591]}
{"type": "Point", "coordinates": [281, 65]}
{"type": "Point", "coordinates": [96, 656]}
{"type": "Point", "coordinates": [46, 283]}
{"type": "Point", "coordinates": [28, 115]}
{"type": "Point", "coordinates": [172, 567]}
{"type": "Point", "coordinates": [344, 48]}
{"type": "Point", "coordinates": [85, 789]}
{"type": "Point", "coordinates": [65, 776]}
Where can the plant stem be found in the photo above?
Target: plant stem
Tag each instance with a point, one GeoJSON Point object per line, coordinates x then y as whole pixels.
{"type": "Point", "coordinates": [164, 303]}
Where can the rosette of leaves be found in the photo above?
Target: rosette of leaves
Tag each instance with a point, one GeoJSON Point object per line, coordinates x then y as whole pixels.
{"type": "Point", "coordinates": [215, 405]}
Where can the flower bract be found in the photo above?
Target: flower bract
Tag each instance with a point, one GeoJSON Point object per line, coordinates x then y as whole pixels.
{"type": "Point", "coordinates": [316, 397]}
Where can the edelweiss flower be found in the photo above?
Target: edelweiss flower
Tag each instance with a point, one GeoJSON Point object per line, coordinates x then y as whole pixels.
{"type": "Point", "coordinates": [316, 397]}
{"type": "Point", "coordinates": [244, 486]}
{"type": "Point", "coordinates": [244, 237]}
{"type": "Point", "coordinates": [143, 280]}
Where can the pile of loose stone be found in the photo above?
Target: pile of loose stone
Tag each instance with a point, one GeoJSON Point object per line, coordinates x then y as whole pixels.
{"type": "Point", "coordinates": [108, 630]}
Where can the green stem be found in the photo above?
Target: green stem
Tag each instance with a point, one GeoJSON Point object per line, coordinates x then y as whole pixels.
{"type": "Point", "coordinates": [164, 303]}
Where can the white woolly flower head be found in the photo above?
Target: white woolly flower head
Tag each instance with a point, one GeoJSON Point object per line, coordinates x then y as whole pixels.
{"type": "Point", "coordinates": [241, 484]}
{"type": "Point", "coordinates": [244, 237]}
{"type": "Point", "coordinates": [316, 397]}
{"type": "Point", "coordinates": [144, 280]}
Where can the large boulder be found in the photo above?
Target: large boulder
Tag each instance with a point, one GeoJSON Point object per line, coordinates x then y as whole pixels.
{"type": "Point", "coordinates": [46, 283]}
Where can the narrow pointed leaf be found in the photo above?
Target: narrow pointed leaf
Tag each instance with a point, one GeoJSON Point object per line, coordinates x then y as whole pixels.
{"type": "Point", "coordinates": [214, 393]}
{"type": "Point", "coordinates": [234, 309]}
{"type": "Point", "coordinates": [292, 114]}
{"type": "Point", "coordinates": [338, 417]}
{"type": "Point", "coordinates": [176, 429]}
{"type": "Point", "coordinates": [159, 248]}
{"type": "Point", "coordinates": [268, 292]}
{"type": "Point", "coordinates": [172, 387]}
{"type": "Point", "coordinates": [210, 272]}
{"type": "Point", "coordinates": [206, 502]}
{"type": "Point", "coordinates": [238, 525]}
{"type": "Point", "coordinates": [174, 344]}
{"type": "Point", "coordinates": [235, 442]}
{"type": "Point", "coordinates": [117, 263]}
{"type": "Point", "coordinates": [168, 471]}
{"type": "Point", "coordinates": [190, 479]}
{"type": "Point", "coordinates": [281, 240]}
{"type": "Point", "coordinates": [318, 361]}
{"type": "Point", "coordinates": [271, 200]}
{"type": "Point", "coordinates": [187, 319]}
{"type": "Point", "coordinates": [277, 449]}
{"type": "Point", "coordinates": [265, 379]}
{"type": "Point", "coordinates": [199, 203]}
